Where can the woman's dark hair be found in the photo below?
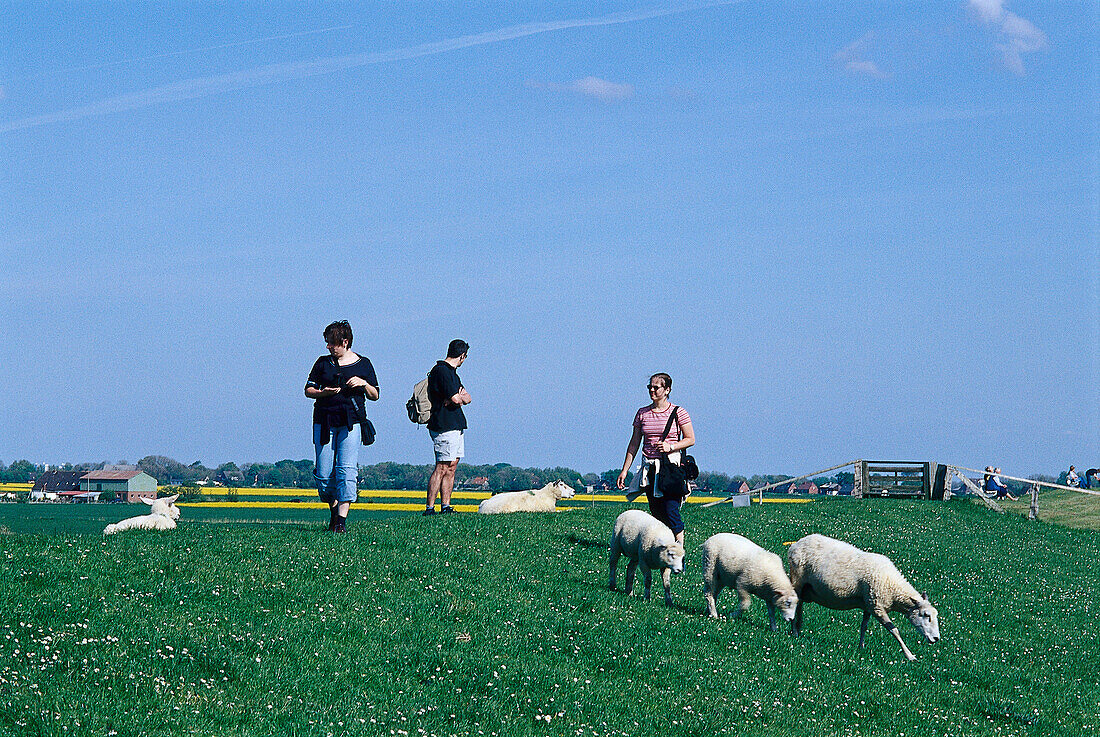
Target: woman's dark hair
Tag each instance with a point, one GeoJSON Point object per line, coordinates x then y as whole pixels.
{"type": "Point", "coordinates": [338, 332]}
{"type": "Point", "coordinates": [665, 379]}
{"type": "Point", "coordinates": [456, 348]}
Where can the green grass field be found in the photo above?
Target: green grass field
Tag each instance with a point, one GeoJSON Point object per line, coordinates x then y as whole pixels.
{"type": "Point", "coordinates": [502, 625]}
{"type": "Point", "coordinates": [1069, 508]}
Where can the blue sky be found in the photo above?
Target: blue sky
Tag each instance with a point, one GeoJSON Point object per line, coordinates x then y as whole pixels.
{"type": "Point", "coordinates": [858, 231]}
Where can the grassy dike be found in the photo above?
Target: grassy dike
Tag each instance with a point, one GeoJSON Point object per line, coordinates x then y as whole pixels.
{"type": "Point", "coordinates": [469, 625]}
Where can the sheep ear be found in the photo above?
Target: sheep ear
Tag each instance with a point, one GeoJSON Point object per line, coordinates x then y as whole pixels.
{"type": "Point", "coordinates": [171, 499]}
{"type": "Point", "coordinates": [924, 595]}
{"type": "Point", "coordinates": [147, 500]}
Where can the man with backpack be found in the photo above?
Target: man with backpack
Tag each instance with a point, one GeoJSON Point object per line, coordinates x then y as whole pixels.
{"type": "Point", "coordinates": [446, 424]}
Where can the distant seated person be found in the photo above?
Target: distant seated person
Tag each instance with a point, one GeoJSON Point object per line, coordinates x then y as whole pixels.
{"type": "Point", "coordinates": [1072, 479]}
{"type": "Point", "coordinates": [997, 488]}
{"type": "Point", "coordinates": [1092, 477]}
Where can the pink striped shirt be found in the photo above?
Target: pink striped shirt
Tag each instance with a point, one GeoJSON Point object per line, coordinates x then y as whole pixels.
{"type": "Point", "coordinates": [653, 424]}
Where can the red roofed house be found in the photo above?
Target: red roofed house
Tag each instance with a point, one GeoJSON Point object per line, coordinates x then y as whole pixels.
{"type": "Point", "coordinates": [735, 488]}
{"type": "Point", "coordinates": [129, 486]}
{"type": "Point", "coordinates": [806, 487]}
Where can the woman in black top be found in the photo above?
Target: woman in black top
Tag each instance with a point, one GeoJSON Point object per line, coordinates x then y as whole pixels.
{"type": "Point", "coordinates": [340, 383]}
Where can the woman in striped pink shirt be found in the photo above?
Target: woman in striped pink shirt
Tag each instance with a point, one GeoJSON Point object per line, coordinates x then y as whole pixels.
{"type": "Point", "coordinates": [649, 427]}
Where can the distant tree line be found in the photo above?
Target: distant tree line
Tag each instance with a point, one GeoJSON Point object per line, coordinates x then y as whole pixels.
{"type": "Point", "coordinates": [299, 475]}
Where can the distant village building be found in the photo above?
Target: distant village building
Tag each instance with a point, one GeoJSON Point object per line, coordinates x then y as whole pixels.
{"type": "Point", "coordinates": [54, 485]}
{"type": "Point", "coordinates": [224, 478]}
{"type": "Point", "coordinates": [128, 486]}
{"type": "Point", "coordinates": [806, 487]}
{"type": "Point", "coordinates": [738, 488]}
{"type": "Point", "coordinates": [56, 481]}
{"type": "Point", "coordinates": [477, 483]}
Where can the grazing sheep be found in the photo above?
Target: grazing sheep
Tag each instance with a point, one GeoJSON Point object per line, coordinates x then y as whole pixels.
{"type": "Point", "coordinates": [735, 561]}
{"type": "Point", "coordinates": [648, 543]}
{"type": "Point", "coordinates": [840, 576]}
{"type": "Point", "coordinates": [532, 500]}
{"type": "Point", "coordinates": [162, 516]}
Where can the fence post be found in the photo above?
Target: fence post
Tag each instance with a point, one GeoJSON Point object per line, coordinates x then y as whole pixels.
{"type": "Point", "coordinates": [1033, 512]}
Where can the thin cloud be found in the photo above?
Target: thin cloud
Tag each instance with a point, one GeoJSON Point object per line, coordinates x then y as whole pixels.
{"type": "Point", "coordinates": [1016, 36]}
{"type": "Point", "coordinates": [603, 90]}
{"type": "Point", "coordinates": [275, 73]}
{"type": "Point", "coordinates": [852, 58]}
{"type": "Point", "coordinates": [594, 87]}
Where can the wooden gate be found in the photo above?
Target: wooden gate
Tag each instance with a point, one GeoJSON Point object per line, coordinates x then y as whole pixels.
{"type": "Point", "coordinates": [899, 479]}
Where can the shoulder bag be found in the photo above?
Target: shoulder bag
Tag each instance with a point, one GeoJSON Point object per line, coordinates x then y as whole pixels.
{"type": "Point", "coordinates": [672, 478]}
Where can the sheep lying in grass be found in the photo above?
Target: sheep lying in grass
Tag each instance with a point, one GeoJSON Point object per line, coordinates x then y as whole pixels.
{"type": "Point", "coordinates": [735, 561]}
{"type": "Point", "coordinates": [532, 500]}
{"type": "Point", "coordinates": [840, 576]}
{"type": "Point", "coordinates": [649, 544]}
{"type": "Point", "coordinates": [162, 516]}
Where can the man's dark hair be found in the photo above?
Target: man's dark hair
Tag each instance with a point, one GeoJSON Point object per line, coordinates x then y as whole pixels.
{"type": "Point", "coordinates": [338, 332]}
{"type": "Point", "coordinates": [665, 379]}
{"type": "Point", "coordinates": [456, 348]}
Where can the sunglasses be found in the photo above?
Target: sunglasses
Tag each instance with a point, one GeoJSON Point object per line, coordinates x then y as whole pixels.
{"type": "Point", "coordinates": [654, 387]}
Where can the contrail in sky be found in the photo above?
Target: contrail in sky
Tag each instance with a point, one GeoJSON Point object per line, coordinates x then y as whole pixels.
{"type": "Point", "coordinates": [273, 73]}
{"type": "Point", "coordinates": [182, 52]}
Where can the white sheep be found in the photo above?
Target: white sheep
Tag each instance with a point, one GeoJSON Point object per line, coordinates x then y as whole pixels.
{"type": "Point", "coordinates": [840, 576]}
{"type": "Point", "coordinates": [532, 500]}
{"type": "Point", "coordinates": [162, 516]}
{"type": "Point", "coordinates": [649, 544]}
{"type": "Point", "coordinates": [735, 561]}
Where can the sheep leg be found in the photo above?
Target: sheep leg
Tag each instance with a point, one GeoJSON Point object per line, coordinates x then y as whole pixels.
{"type": "Point", "coordinates": [796, 623]}
{"type": "Point", "coordinates": [771, 616]}
{"type": "Point", "coordinates": [630, 569]}
{"type": "Point", "coordinates": [647, 574]}
{"type": "Point", "coordinates": [743, 602]}
{"type": "Point", "coordinates": [666, 579]}
{"type": "Point", "coordinates": [613, 561]}
{"type": "Point", "coordinates": [863, 628]}
{"type": "Point", "coordinates": [710, 593]}
{"type": "Point", "coordinates": [892, 628]}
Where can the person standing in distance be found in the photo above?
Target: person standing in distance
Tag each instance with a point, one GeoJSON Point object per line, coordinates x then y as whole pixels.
{"type": "Point", "coordinates": [447, 424]}
{"type": "Point", "coordinates": [339, 383]}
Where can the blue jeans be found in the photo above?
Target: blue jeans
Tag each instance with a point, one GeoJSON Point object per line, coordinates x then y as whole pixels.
{"type": "Point", "coordinates": [337, 468]}
{"type": "Point", "coordinates": [668, 511]}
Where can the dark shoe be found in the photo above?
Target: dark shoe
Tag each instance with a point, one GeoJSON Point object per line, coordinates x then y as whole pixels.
{"type": "Point", "coordinates": [428, 512]}
{"type": "Point", "coordinates": [339, 528]}
{"type": "Point", "coordinates": [448, 509]}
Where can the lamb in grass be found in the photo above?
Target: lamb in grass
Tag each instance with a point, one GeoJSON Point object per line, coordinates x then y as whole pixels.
{"type": "Point", "coordinates": [162, 516]}
{"type": "Point", "coordinates": [532, 500]}
{"type": "Point", "coordinates": [739, 563]}
{"type": "Point", "coordinates": [650, 545]}
{"type": "Point", "coordinates": [840, 576]}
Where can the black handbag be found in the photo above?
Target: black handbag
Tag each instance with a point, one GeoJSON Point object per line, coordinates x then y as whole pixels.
{"type": "Point", "coordinates": [671, 481]}
{"type": "Point", "coordinates": [672, 478]}
{"type": "Point", "coordinates": [366, 427]}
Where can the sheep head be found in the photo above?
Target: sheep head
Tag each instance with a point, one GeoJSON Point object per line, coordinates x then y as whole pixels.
{"type": "Point", "coordinates": [787, 606]}
{"type": "Point", "coordinates": [562, 490]}
{"type": "Point", "coordinates": [165, 506]}
{"type": "Point", "coordinates": [672, 557]}
{"type": "Point", "coordinates": [926, 619]}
